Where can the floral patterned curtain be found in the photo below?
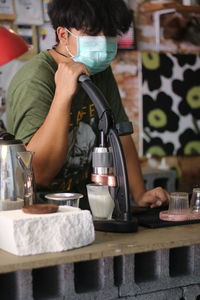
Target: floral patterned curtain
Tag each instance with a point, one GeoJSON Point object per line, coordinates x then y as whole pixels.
{"type": "Point", "coordinates": [171, 104]}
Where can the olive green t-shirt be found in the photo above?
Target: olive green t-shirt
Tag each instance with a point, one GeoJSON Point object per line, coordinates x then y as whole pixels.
{"type": "Point", "coordinates": [30, 95]}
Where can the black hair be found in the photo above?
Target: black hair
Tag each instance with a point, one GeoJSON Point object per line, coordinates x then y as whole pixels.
{"type": "Point", "coordinates": [112, 17]}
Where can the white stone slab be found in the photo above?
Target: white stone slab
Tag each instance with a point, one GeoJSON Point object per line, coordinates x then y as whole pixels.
{"type": "Point", "coordinates": [28, 234]}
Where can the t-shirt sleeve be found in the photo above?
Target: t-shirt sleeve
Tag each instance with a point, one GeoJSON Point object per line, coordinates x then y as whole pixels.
{"type": "Point", "coordinates": [29, 107]}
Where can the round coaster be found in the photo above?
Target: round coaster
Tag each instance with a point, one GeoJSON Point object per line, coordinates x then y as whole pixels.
{"type": "Point", "coordinates": [186, 215]}
{"type": "Point", "coordinates": [40, 209]}
{"type": "Point", "coordinates": [167, 216]}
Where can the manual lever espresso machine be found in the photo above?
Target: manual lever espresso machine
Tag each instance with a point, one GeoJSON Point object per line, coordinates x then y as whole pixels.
{"type": "Point", "coordinates": [109, 156]}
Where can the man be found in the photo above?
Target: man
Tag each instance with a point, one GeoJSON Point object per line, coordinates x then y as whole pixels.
{"type": "Point", "coordinates": [54, 117]}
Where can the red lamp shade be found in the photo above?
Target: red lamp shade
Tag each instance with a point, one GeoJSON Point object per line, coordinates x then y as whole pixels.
{"type": "Point", "coordinates": [11, 45]}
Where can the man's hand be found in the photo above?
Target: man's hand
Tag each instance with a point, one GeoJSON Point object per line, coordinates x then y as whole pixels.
{"type": "Point", "coordinates": [153, 198]}
{"type": "Point", "coordinates": [66, 78]}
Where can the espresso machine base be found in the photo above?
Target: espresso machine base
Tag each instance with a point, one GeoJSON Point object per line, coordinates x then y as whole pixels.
{"type": "Point", "coordinates": [116, 226]}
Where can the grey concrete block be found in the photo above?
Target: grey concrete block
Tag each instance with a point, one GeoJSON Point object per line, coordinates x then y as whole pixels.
{"type": "Point", "coordinates": [196, 249]}
{"type": "Point", "coordinates": [92, 280]}
{"type": "Point", "coordinates": [7, 286]}
{"type": "Point", "coordinates": [191, 292]}
{"type": "Point", "coordinates": [89, 276]}
{"type": "Point", "coordinates": [126, 284]}
{"type": "Point", "coordinates": [147, 266]}
{"type": "Point", "coordinates": [163, 261]}
{"type": "Point", "coordinates": [177, 270]}
{"type": "Point", "coordinates": [168, 274]}
{"type": "Point", "coordinates": [172, 294]}
{"type": "Point", "coordinates": [23, 283]}
{"type": "Point", "coordinates": [157, 277]}
{"type": "Point", "coordinates": [145, 272]}
{"type": "Point", "coordinates": [16, 286]}
{"type": "Point", "coordinates": [165, 179]}
{"type": "Point", "coordinates": [127, 298]}
{"type": "Point", "coordinates": [158, 270]}
{"type": "Point", "coordinates": [181, 261]}
{"type": "Point", "coordinates": [182, 266]}
{"type": "Point", "coordinates": [48, 282]}
{"type": "Point", "coordinates": [68, 281]}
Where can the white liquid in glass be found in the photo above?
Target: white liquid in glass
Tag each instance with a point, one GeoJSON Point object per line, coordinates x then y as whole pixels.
{"type": "Point", "coordinates": [101, 202]}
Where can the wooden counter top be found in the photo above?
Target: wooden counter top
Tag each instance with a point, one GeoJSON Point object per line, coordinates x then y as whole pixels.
{"type": "Point", "coordinates": [108, 245]}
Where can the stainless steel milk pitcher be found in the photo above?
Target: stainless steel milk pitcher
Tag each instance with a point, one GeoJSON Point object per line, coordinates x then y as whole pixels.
{"type": "Point", "coordinates": [11, 174]}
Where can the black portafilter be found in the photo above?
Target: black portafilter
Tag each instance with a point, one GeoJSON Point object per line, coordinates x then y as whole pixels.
{"type": "Point", "coordinates": [108, 161]}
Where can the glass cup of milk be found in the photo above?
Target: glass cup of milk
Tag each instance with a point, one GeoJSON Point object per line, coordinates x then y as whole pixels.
{"type": "Point", "coordinates": [100, 201]}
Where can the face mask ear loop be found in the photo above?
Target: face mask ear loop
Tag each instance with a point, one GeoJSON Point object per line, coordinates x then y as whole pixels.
{"type": "Point", "coordinates": [69, 52]}
{"type": "Point", "coordinates": [76, 40]}
{"type": "Point", "coordinates": [71, 32]}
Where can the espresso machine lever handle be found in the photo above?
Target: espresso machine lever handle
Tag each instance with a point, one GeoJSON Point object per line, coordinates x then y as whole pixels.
{"type": "Point", "coordinates": [95, 95]}
{"type": "Point", "coordinates": [102, 107]}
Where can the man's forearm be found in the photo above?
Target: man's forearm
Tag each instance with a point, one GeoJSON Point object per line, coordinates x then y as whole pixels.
{"type": "Point", "coordinates": [50, 143]}
{"type": "Point", "coordinates": [135, 178]}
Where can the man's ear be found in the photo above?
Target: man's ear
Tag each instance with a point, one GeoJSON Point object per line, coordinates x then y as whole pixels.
{"type": "Point", "coordinates": [63, 35]}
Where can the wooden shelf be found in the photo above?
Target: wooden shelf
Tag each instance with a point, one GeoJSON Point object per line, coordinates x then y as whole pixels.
{"type": "Point", "coordinates": [108, 244]}
{"type": "Point", "coordinates": [8, 17]}
{"type": "Point", "coordinates": [151, 7]}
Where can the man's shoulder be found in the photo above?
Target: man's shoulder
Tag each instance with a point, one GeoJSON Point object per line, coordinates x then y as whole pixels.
{"type": "Point", "coordinates": [44, 57]}
{"type": "Point", "coordinates": [41, 62]}
{"type": "Point", "coordinates": [41, 66]}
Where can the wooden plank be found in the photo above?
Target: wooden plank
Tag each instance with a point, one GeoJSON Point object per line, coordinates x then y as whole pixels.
{"type": "Point", "coordinates": [150, 7]}
{"type": "Point", "coordinates": [7, 17]}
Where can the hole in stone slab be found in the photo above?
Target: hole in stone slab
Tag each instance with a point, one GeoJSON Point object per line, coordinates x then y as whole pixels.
{"type": "Point", "coordinates": [8, 286]}
{"type": "Point", "coordinates": [179, 261]}
{"type": "Point", "coordinates": [47, 282]}
{"type": "Point", "coordinates": [89, 276]}
{"type": "Point", "coordinates": [198, 297]}
{"type": "Point", "coordinates": [145, 266]}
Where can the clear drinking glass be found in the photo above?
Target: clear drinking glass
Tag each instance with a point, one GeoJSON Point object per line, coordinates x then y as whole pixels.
{"type": "Point", "coordinates": [100, 201]}
{"type": "Point", "coordinates": [195, 200]}
{"type": "Point", "coordinates": [25, 161]}
{"type": "Point", "coordinates": [178, 202]}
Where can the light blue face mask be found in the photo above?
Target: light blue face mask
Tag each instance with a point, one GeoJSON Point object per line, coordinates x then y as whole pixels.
{"type": "Point", "coordinates": [96, 52]}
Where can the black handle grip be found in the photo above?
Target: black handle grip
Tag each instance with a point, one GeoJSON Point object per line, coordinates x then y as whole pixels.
{"type": "Point", "coordinates": [95, 95]}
